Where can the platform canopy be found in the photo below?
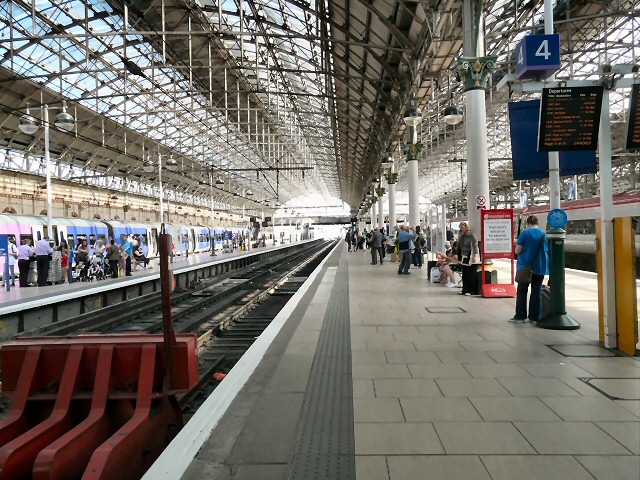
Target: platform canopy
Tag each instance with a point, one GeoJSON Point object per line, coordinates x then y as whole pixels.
{"type": "Point", "coordinates": [261, 102]}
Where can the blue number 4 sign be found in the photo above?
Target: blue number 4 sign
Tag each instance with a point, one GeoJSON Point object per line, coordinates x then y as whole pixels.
{"type": "Point", "coordinates": [537, 56]}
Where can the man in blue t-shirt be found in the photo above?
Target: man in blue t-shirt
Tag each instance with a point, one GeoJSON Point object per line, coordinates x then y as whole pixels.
{"type": "Point", "coordinates": [531, 250]}
{"type": "Point", "coordinates": [405, 238]}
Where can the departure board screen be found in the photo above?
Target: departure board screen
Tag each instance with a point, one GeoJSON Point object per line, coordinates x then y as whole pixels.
{"type": "Point", "coordinates": [633, 133]}
{"type": "Point", "coordinates": [569, 119]}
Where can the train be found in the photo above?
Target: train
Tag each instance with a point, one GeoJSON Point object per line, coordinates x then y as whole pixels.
{"type": "Point", "coordinates": [580, 241]}
{"type": "Point", "coordinates": [186, 238]}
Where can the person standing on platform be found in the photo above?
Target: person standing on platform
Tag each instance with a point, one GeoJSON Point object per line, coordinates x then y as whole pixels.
{"type": "Point", "coordinates": [419, 244]}
{"type": "Point", "coordinates": [13, 259]}
{"type": "Point", "coordinates": [347, 238]}
{"type": "Point", "coordinates": [128, 248]}
{"type": "Point", "coordinates": [376, 246]}
{"type": "Point", "coordinates": [43, 250]}
{"type": "Point", "coordinates": [531, 250]}
{"type": "Point", "coordinates": [113, 253]}
{"type": "Point", "coordinates": [64, 260]}
{"type": "Point", "coordinates": [404, 242]}
{"type": "Point", "coordinates": [469, 257]}
{"type": "Point", "coordinates": [25, 252]}
{"type": "Point", "coordinates": [383, 249]}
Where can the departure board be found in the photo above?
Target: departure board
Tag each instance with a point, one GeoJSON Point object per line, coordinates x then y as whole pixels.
{"type": "Point", "coordinates": [633, 133]}
{"type": "Point", "coordinates": [569, 119]}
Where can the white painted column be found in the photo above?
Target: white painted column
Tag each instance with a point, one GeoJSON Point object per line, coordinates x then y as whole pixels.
{"type": "Point", "coordinates": [477, 155]}
{"type": "Point", "coordinates": [443, 229]}
{"type": "Point", "coordinates": [47, 166]}
{"type": "Point", "coordinates": [392, 207]}
{"type": "Point", "coordinates": [554, 157]}
{"type": "Point", "coordinates": [606, 218]}
{"type": "Point", "coordinates": [380, 213]}
{"type": "Point", "coordinates": [414, 207]}
{"type": "Point", "coordinates": [373, 216]}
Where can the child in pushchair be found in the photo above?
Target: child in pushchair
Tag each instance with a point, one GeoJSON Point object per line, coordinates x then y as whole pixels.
{"type": "Point", "coordinates": [96, 271]}
{"type": "Point", "coordinates": [80, 272]}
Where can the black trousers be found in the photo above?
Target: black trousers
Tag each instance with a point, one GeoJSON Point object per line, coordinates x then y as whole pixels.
{"type": "Point", "coordinates": [23, 268]}
{"type": "Point", "coordinates": [114, 268]}
{"type": "Point", "coordinates": [128, 266]}
{"type": "Point", "coordinates": [469, 279]}
{"type": "Point", "coordinates": [43, 269]}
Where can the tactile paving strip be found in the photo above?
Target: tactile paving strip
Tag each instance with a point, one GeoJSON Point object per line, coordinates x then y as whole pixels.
{"type": "Point", "coordinates": [326, 446]}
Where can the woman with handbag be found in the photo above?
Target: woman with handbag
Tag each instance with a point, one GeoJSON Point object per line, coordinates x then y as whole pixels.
{"type": "Point", "coordinates": [468, 255]}
{"type": "Point", "coordinates": [531, 268]}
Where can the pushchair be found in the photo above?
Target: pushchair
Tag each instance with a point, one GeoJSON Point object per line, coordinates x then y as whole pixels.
{"type": "Point", "coordinates": [95, 272]}
{"type": "Point", "coordinates": [80, 272]}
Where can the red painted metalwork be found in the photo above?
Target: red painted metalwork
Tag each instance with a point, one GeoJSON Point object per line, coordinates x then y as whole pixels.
{"type": "Point", "coordinates": [92, 406]}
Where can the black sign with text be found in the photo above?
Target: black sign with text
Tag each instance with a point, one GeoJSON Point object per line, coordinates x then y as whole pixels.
{"type": "Point", "coordinates": [633, 133]}
{"type": "Point", "coordinates": [569, 119]}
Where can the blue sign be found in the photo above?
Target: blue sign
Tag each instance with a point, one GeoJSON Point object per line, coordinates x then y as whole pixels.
{"type": "Point", "coordinates": [537, 56]}
{"type": "Point", "coordinates": [4, 245]}
{"type": "Point", "coordinates": [557, 218]}
{"type": "Point", "coordinates": [527, 162]}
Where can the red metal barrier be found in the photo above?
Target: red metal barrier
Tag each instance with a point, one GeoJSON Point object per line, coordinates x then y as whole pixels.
{"type": "Point", "coordinates": [92, 406]}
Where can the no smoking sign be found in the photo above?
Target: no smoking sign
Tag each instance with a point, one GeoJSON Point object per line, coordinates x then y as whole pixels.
{"type": "Point", "coordinates": [481, 202]}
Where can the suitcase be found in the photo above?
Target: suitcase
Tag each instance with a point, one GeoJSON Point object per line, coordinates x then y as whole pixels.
{"type": "Point", "coordinates": [430, 265]}
{"type": "Point", "coordinates": [435, 274]}
{"type": "Point", "coordinates": [32, 276]}
{"type": "Point", "coordinates": [545, 303]}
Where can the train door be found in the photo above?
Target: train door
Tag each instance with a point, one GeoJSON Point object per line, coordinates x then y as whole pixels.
{"type": "Point", "coordinates": [192, 240]}
{"type": "Point", "coordinates": [54, 228]}
{"type": "Point", "coordinates": [153, 242]}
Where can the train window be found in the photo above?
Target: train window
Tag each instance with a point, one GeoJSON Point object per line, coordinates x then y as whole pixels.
{"type": "Point", "coordinates": [123, 237]}
{"type": "Point", "coordinates": [92, 239]}
{"type": "Point", "coordinates": [143, 239]}
{"type": "Point", "coordinates": [103, 237]}
{"type": "Point", "coordinates": [581, 227]}
{"type": "Point", "coordinates": [81, 238]}
{"type": "Point", "coordinates": [39, 236]}
{"type": "Point", "coordinates": [71, 241]}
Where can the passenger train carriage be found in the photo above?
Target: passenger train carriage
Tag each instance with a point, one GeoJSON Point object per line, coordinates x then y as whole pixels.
{"type": "Point", "coordinates": [185, 238]}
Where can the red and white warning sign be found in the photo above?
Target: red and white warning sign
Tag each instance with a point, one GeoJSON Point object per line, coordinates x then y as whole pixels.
{"type": "Point", "coordinates": [481, 202]}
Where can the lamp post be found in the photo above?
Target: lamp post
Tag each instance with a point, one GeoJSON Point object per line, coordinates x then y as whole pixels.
{"type": "Point", "coordinates": [149, 167]}
{"type": "Point", "coordinates": [29, 125]}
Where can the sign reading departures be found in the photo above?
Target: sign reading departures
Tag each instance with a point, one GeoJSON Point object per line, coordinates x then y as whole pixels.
{"type": "Point", "coordinates": [633, 133]}
{"type": "Point", "coordinates": [569, 118]}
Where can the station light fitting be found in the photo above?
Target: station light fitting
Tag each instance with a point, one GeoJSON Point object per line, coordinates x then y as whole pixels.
{"type": "Point", "coordinates": [249, 193]}
{"type": "Point", "coordinates": [453, 115]}
{"type": "Point", "coordinates": [387, 161]}
{"type": "Point", "coordinates": [219, 181]}
{"type": "Point", "coordinates": [412, 114]}
{"type": "Point", "coordinates": [64, 121]}
{"type": "Point", "coordinates": [147, 165]}
{"type": "Point", "coordinates": [172, 164]}
{"type": "Point", "coordinates": [28, 124]}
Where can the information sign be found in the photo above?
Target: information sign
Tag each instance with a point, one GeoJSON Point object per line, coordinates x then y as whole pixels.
{"type": "Point", "coordinates": [537, 56]}
{"type": "Point", "coordinates": [497, 242]}
{"type": "Point", "coordinates": [633, 133]}
{"type": "Point", "coordinates": [557, 218]}
{"type": "Point", "coordinates": [4, 245]}
{"type": "Point", "coordinates": [481, 202]}
{"type": "Point", "coordinates": [569, 118]}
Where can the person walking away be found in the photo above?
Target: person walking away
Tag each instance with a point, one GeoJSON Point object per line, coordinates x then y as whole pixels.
{"type": "Point", "coordinates": [376, 246]}
{"type": "Point", "coordinates": [532, 252]}
{"type": "Point", "coordinates": [404, 246]}
{"type": "Point", "coordinates": [469, 257]}
{"type": "Point", "coordinates": [25, 252]}
{"type": "Point", "coordinates": [383, 248]}
{"type": "Point", "coordinates": [64, 260]}
{"type": "Point", "coordinates": [113, 253]}
{"type": "Point", "coordinates": [347, 238]}
{"type": "Point", "coordinates": [43, 250]}
{"type": "Point", "coordinates": [128, 248]}
{"type": "Point", "coordinates": [13, 259]}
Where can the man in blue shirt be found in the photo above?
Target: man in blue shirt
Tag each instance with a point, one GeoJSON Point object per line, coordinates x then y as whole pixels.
{"type": "Point", "coordinates": [531, 250]}
{"type": "Point", "coordinates": [404, 246]}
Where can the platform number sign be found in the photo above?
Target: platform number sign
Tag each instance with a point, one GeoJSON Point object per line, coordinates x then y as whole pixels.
{"type": "Point", "coordinates": [537, 56]}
